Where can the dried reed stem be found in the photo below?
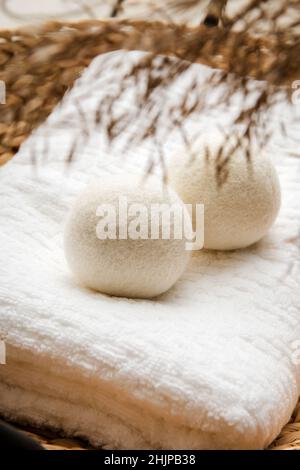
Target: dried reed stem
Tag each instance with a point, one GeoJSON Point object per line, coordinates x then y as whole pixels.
{"type": "Point", "coordinates": [41, 62]}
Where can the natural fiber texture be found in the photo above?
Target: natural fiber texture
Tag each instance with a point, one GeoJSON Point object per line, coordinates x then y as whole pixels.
{"type": "Point", "coordinates": [274, 403]}
{"type": "Point", "coordinates": [52, 441]}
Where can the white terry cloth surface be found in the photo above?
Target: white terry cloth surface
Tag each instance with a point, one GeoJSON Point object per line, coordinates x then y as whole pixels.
{"type": "Point", "coordinates": [211, 364]}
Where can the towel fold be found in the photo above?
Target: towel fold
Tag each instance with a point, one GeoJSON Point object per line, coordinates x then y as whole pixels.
{"type": "Point", "coordinates": [211, 364]}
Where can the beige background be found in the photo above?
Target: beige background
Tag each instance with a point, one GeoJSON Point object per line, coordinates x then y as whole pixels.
{"type": "Point", "coordinates": [19, 12]}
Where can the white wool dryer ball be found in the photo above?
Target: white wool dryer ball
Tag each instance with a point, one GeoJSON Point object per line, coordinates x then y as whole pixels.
{"type": "Point", "coordinates": [237, 212]}
{"type": "Point", "coordinates": [129, 265]}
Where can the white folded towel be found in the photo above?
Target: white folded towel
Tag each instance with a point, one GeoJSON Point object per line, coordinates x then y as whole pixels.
{"type": "Point", "coordinates": [211, 364]}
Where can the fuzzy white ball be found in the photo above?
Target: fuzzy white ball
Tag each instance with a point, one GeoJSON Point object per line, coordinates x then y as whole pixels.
{"type": "Point", "coordinates": [137, 268]}
{"type": "Point", "coordinates": [237, 212]}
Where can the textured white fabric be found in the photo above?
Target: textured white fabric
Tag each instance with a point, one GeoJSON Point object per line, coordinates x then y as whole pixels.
{"type": "Point", "coordinates": [240, 211]}
{"type": "Point", "coordinates": [210, 364]}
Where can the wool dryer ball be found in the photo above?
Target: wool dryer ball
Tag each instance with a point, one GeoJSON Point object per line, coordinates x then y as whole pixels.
{"type": "Point", "coordinates": [237, 212]}
{"type": "Point", "coordinates": [126, 261]}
